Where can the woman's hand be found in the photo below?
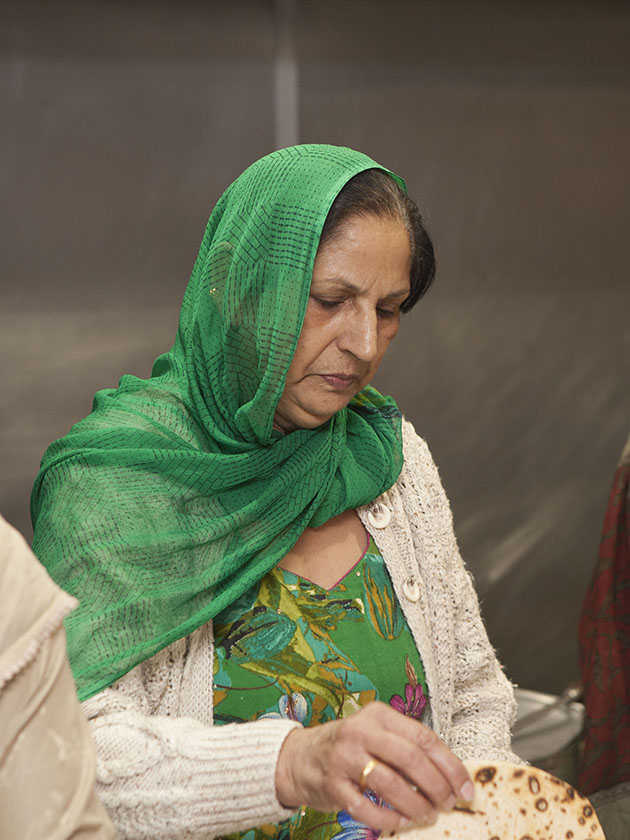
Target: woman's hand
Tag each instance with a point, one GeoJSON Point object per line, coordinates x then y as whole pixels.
{"type": "Point", "coordinates": [415, 772]}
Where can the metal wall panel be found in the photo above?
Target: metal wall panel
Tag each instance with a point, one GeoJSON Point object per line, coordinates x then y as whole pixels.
{"type": "Point", "coordinates": [123, 122]}
{"type": "Point", "coordinates": [510, 122]}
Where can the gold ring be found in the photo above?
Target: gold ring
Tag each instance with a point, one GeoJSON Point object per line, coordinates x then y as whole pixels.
{"type": "Point", "coordinates": [366, 772]}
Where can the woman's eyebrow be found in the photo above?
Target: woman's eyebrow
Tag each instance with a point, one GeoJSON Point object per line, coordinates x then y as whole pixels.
{"type": "Point", "coordinates": [401, 293]}
{"type": "Point", "coordinates": [351, 287]}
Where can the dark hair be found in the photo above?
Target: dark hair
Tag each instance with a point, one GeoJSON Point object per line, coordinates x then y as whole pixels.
{"type": "Point", "coordinates": [375, 193]}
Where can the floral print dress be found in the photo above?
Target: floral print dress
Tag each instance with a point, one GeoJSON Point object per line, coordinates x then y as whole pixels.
{"type": "Point", "coordinates": [289, 648]}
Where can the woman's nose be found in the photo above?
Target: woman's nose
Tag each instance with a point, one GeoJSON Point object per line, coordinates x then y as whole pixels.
{"type": "Point", "coordinates": [360, 336]}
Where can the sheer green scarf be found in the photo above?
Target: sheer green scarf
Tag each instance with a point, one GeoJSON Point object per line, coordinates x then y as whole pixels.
{"type": "Point", "coordinates": [175, 494]}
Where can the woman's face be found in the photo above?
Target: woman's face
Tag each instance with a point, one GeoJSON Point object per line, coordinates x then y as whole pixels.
{"type": "Point", "coordinates": [360, 279]}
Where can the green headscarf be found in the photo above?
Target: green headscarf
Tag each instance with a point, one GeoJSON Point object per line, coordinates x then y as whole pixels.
{"type": "Point", "coordinates": [175, 494]}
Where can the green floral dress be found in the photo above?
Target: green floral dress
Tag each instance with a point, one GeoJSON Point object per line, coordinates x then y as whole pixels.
{"type": "Point", "coordinates": [289, 648]}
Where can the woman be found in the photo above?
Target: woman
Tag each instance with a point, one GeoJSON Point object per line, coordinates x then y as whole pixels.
{"type": "Point", "coordinates": [258, 540]}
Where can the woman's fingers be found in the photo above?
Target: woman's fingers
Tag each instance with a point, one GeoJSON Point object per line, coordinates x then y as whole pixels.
{"type": "Point", "coordinates": [373, 812]}
{"type": "Point", "coordinates": [412, 770]}
{"type": "Point", "coordinates": [428, 766]}
{"type": "Point", "coordinates": [402, 798]}
{"type": "Point", "coordinates": [411, 749]}
{"type": "Point", "coordinates": [446, 762]}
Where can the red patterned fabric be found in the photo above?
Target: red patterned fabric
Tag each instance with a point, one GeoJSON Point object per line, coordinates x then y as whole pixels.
{"type": "Point", "coordinates": [604, 634]}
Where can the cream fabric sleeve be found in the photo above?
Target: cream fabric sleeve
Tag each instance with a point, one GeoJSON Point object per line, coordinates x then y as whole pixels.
{"type": "Point", "coordinates": [46, 753]}
{"type": "Point", "coordinates": [163, 770]}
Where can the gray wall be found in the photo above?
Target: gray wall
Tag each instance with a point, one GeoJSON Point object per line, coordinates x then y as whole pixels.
{"type": "Point", "coordinates": [123, 122]}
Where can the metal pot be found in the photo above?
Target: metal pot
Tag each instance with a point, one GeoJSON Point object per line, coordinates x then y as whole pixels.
{"type": "Point", "coordinates": [548, 731]}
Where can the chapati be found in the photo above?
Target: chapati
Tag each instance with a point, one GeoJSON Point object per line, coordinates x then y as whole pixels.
{"type": "Point", "coordinates": [514, 802]}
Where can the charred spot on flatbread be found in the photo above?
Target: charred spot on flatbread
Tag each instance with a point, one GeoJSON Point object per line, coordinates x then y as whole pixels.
{"type": "Point", "coordinates": [542, 804]}
{"type": "Point", "coordinates": [485, 775]}
{"type": "Point", "coordinates": [534, 785]}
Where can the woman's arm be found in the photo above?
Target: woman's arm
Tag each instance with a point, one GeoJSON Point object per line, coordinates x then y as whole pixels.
{"type": "Point", "coordinates": [163, 770]}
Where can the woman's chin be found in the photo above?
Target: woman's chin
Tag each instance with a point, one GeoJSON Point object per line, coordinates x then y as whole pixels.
{"type": "Point", "coordinates": [288, 418]}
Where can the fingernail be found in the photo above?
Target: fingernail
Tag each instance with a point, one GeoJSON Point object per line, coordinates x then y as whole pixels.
{"type": "Point", "coordinates": [467, 791]}
{"type": "Point", "coordinates": [404, 822]}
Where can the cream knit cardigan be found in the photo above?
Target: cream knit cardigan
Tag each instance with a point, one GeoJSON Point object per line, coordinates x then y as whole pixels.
{"type": "Point", "coordinates": [165, 772]}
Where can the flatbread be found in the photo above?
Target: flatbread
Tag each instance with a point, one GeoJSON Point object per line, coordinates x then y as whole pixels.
{"type": "Point", "coordinates": [514, 802]}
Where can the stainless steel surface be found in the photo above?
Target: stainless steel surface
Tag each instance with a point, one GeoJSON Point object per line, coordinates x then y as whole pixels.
{"type": "Point", "coordinates": [571, 693]}
{"type": "Point", "coordinates": [613, 810]}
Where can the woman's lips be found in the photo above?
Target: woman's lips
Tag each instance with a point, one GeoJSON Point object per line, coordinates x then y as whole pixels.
{"type": "Point", "coordinates": [339, 381]}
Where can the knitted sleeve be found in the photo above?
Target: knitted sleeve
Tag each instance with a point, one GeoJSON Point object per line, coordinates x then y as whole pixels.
{"type": "Point", "coordinates": [164, 772]}
{"type": "Point", "coordinates": [480, 707]}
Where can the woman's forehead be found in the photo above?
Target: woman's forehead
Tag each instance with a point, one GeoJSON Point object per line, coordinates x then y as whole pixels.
{"type": "Point", "coordinates": [365, 246]}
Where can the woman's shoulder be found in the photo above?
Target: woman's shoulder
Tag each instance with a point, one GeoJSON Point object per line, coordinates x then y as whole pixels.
{"type": "Point", "coordinates": [412, 441]}
{"type": "Point", "coordinates": [419, 479]}
{"type": "Point", "coordinates": [416, 452]}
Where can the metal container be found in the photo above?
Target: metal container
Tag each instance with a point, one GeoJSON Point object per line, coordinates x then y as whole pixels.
{"type": "Point", "coordinates": [550, 739]}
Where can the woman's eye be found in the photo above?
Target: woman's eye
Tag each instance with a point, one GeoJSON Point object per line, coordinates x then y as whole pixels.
{"type": "Point", "coordinates": [327, 304]}
{"type": "Point", "coordinates": [335, 303]}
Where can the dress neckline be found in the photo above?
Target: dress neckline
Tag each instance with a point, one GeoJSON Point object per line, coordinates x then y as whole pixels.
{"type": "Point", "coordinates": [352, 568]}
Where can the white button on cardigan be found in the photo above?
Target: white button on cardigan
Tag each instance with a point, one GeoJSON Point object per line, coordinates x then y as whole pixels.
{"type": "Point", "coordinates": [379, 516]}
{"type": "Point", "coordinates": [411, 589]}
